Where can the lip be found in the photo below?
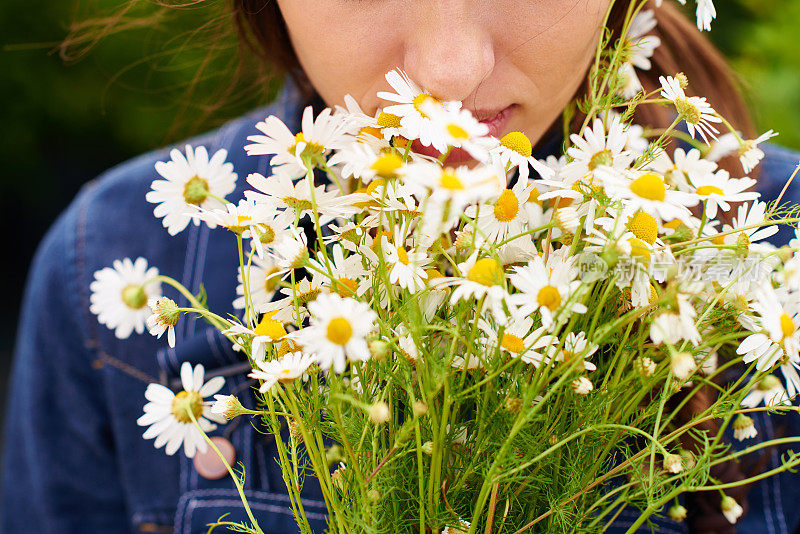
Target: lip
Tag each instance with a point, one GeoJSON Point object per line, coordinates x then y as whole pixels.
{"type": "Point", "coordinates": [496, 122]}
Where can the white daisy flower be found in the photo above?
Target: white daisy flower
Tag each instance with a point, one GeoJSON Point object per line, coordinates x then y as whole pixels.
{"type": "Point", "coordinates": [549, 288]}
{"type": "Point", "coordinates": [598, 146]}
{"type": "Point", "coordinates": [749, 153]}
{"type": "Point", "coordinates": [281, 193]}
{"type": "Point", "coordinates": [506, 216]}
{"type": "Point", "coordinates": [459, 129]}
{"type": "Point", "coordinates": [577, 346]}
{"type": "Point", "coordinates": [482, 280]}
{"type": "Point", "coordinates": [683, 168]}
{"type": "Point", "coordinates": [731, 509]}
{"type": "Point", "coordinates": [366, 163]}
{"type": "Point", "coordinates": [256, 222]}
{"type": "Point", "coordinates": [303, 292]}
{"type": "Point", "coordinates": [167, 414]}
{"type": "Point", "coordinates": [165, 317]}
{"type": "Point", "coordinates": [717, 189]}
{"type": "Point", "coordinates": [518, 335]}
{"type": "Point", "coordinates": [264, 277]}
{"type": "Point", "coordinates": [120, 294]}
{"type": "Point", "coordinates": [350, 277]}
{"type": "Point", "coordinates": [407, 262]}
{"type": "Point", "coordinates": [770, 391]}
{"type": "Point", "coordinates": [694, 110]}
{"type": "Point", "coordinates": [337, 332]}
{"type": "Point", "coordinates": [777, 335]}
{"type": "Point", "coordinates": [670, 327]}
{"type": "Point", "coordinates": [414, 107]}
{"type": "Point", "coordinates": [289, 250]}
{"type": "Point", "coordinates": [747, 216]}
{"type": "Point", "coordinates": [190, 181]}
{"type": "Point", "coordinates": [317, 137]}
{"type": "Point", "coordinates": [647, 191]}
{"type": "Point", "coordinates": [285, 369]}
{"type": "Point", "coordinates": [268, 331]}
{"type": "Point", "coordinates": [724, 145]}
{"type": "Point", "coordinates": [515, 150]}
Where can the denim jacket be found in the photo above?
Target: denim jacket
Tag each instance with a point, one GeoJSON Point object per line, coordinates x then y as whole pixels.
{"type": "Point", "coordinates": [74, 458]}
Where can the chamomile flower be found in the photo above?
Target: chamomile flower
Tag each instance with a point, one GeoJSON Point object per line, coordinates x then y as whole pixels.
{"type": "Point", "coordinates": [751, 219]}
{"type": "Point", "coordinates": [290, 250]}
{"type": "Point", "coordinates": [670, 327]}
{"type": "Point", "coordinates": [769, 390]}
{"type": "Point", "coordinates": [415, 108]}
{"type": "Point", "coordinates": [515, 150]}
{"type": "Point", "coordinates": [407, 261]}
{"type": "Point", "coordinates": [268, 331]}
{"type": "Point", "coordinates": [648, 192]}
{"type": "Point", "coordinates": [743, 428]}
{"type": "Point", "coordinates": [120, 294]}
{"type": "Point", "coordinates": [249, 220]}
{"type": "Point", "coordinates": [318, 136]}
{"type": "Point", "coordinates": [263, 278]}
{"type": "Point", "coordinates": [167, 415]}
{"type": "Point", "coordinates": [165, 317]}
{"type": "Point", "coordinates": [190, 181]}
{"type": "Point", "coordinates": [301, 294]}
{"type": "Point", "coordinates": [750, 154]}
{"type": "Point", "coordinates": [506, 216]}
{"type": "Point", "coordinates": [284, 370]}
{"type": "Point", "coordinates": [694, 110]}
{"type": "Point", "coordinates": [518, 335]}
{"type": "Point", "coordinates": [717, 189]}
{"type": "Point", "coordinates": [365, 162]}
{"type": "Point", "coordinates": [641, 47]}
{"type": "Point", "coordinates": [459, 129]}
{"type": "Point", "coordinates": [344, 276]}
{"type": "Point", "coordinates": [777, 335]}
{"type": "Point", "coordinates": [549, 288]}
{"type": "Point", "coordinates": [598, 146]}
{"type": "Point", "coordinates": [337, 332]}
{"type": "Point", "coordinates": [731, 509]}
{"type": "Point", "coordinates": [482, 280]}
{"type": "Point", "coordinates": [576, 346]}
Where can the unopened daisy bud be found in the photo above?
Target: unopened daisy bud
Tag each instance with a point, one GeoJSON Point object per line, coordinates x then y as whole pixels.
{"type": "Point", "coordinates": [379, 413]}
{"type": "Point", "coordinates": [378, 349]}
{"type": "Point", "coordinates": [228, 406]}
{"type": "Point", "coordinates": [374, 495]}
{"type": "Point", "coordinates": [165, 316]}
{"type": "Point", "coordinates": [294, 430]}
{"type": "Point", "coordinates": [731, 509]}
{"type": "Point", "coordinates": [743, 427]}
{"type": "Point", "coordinates": [461, 528]}
{"type": "Point", "coordinates": [427, 447]}
{"type": "Point", "coordinates": [644, 366]}
{"type": "Point", "coordinates": [582, 386]}
{"type": "Point", "coordinates": [333, 455]}
{"type": "Point", "coordinates": [337, 477]}
{"type": "Point", "coordinates": [677, 512]}
{"type": "Point", "coordinates": [688, 459]}
{"type": "Point", "coordinates": [420, 408]}
{"type": "Point", "coordinates": [464, 240]}
{"type": "Point", "coordinates": [682, 365]}
{"type": "Point", "coordinates": [553, 439]}
{"type": "Point", "coordinates": [683, 81]}
{"type": "Point", "coordinates": [513, 404]}
{"type": "Point", "coordinates": [673, 463]}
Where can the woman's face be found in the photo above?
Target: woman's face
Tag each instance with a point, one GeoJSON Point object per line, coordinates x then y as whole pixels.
{"type": "Point", "coordinates": [525, 58]}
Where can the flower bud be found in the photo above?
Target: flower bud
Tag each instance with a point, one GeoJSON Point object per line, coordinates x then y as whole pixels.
{"type": "Point", "coordinates": [582, 386]}
{"type": "Point", "coordinates": [673, 463]}
{"type": "Point", "coordinates": [677, 512]}
{"type": "Point", "coordinates": [419, 408]}
{"type": "Point", "coordinates": [513, 405]}
{"type": "Point", "coordinates": [378, 349]}
{"type": "Point", "coordinates": [731, 509]}
{"type": "Point", "coordinates": [743, 427]}
{"type": "Point", "coordinates": [427, 447]}
{"type": "Point", "coordinates": [682, 365]}
{"type": "Point", "coordinates": [374, 495]}
{"type": "Point", "coordinates": [228, 406]}
{"type": "Point", "coordinates": [682, 80]}
{"type": "Point", "coordinates": [644, 366]}
{"type": "Point", "coordinates": [379, 413]}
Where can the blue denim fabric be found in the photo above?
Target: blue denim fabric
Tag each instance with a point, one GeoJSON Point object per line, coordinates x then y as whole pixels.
{"type": "Point", "coordinates": [74, 459]}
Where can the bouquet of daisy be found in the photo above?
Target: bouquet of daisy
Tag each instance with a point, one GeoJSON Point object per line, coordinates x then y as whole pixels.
{"type": "Point", "coordinates": [506, 346]}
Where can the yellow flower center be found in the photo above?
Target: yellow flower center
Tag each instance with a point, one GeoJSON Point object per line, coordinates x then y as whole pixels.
{"type": "Point", "coordinates": [271, 281]}
{"type": "Point", "coordinates": [487, 272]}
{"type": "Point", "coordinates": [374, 185]}
{"type": "Point", "coordinates": [267, 236]}
{"type": "Point", "coordinates": [604, 157]}
{"type": "Point", "coordinates": [386, 166]}
{"type": "Point", "coordinates": [518, 142]}
{"type": "Point", "coordinates": [369, 130]}
{"type": "Point", "coordinates": [449, 180]}
{"type": "Point", "coordinates": [433, 274]}
{"type": "Point", "coordinates": [185, 402]}
{"type": "Point", "coordinates": [507, 206]}
{"type": "Point", "coordinates": [644, 226]}
{"type": "Point", "coordinates": [195, 191]}
{"type": "Point", "coordinates": [787, 325]}
{"type": "Point", "coordinates": [311, 148]}
{"type": "Point", "coordinates": [339, 331]}
{"type": "Point", "coordinates": [387, 120]}
{"type": "Point", "coordinates": [639, 249]}
{"type": "Point", "coordinates": [673, 224]}
{"type": "Point", "coordinates": [650, 186]}
{"type": "Point", "coordinates": [457, 132]}
{"type": "Point", "coordinates": [549, 297]}
{"type": "Point", "coordinates": [709, 190]}
{"type": "Point", "coordinates": [346, 287]}
{"type": "Point", "coordinates": [688, 111]}
{"type": "Point", "coordinates": [241, 224]}
{"type": "Point", "coordinates": [134, 297]}
{"type": "Point", "coordinates": [270, 327]}
{"type": "Point", "coordinates": [512, 343]}
{"type": "Point", "coordinates": [402, 255]}
{"type": "Point", "coordinates": [534, 196]}
{"type": "Point", "coordinates": [298, 204]}
{"type": "Point", "coordinates": [419, 101]}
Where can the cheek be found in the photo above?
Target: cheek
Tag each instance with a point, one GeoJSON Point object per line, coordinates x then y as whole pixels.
{"type": "Point", "coordinates": [345, 47]}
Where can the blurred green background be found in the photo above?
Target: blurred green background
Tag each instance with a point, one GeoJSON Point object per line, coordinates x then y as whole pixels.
{"type": "Point", "coordinates": [65, 123]}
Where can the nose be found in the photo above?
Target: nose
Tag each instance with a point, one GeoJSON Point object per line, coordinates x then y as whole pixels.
{"type": "Point", "coordinates": [448, 52]}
